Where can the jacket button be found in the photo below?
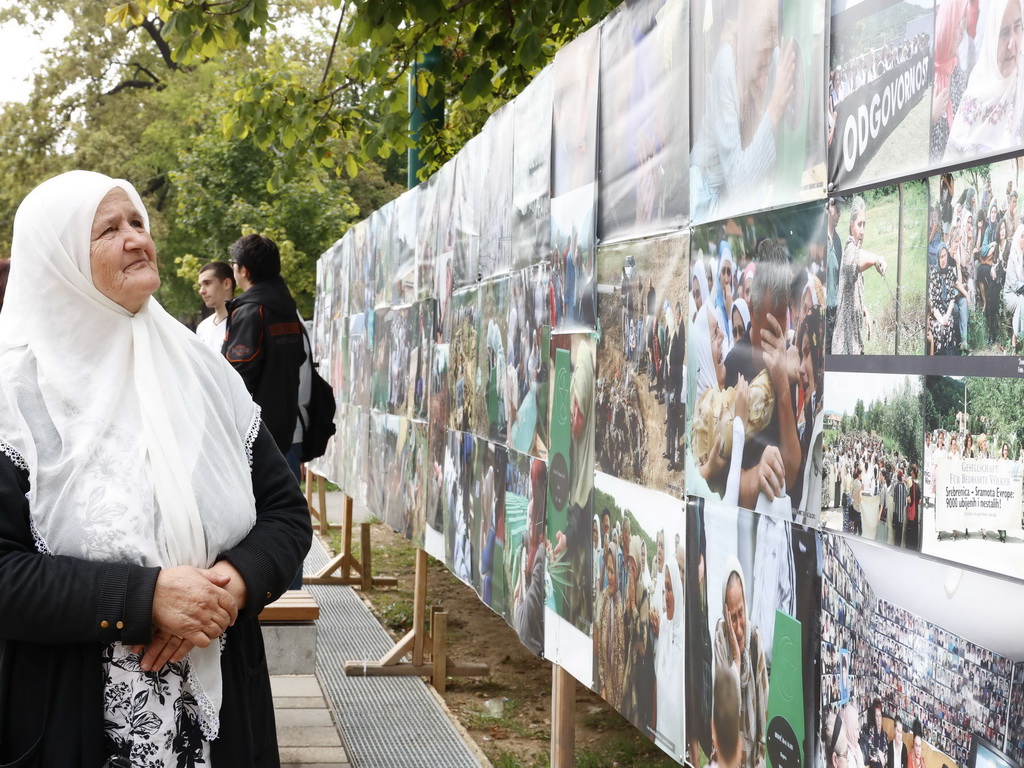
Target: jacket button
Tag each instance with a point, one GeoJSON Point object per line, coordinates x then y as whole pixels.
{"type": "Point", "coordinates": [120, 625]}
{"type": "Point", "coordinates": [104, 624]}
{"type": "Point", "coordinates": [269, 595]}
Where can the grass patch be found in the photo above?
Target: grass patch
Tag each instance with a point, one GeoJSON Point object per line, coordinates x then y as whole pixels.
{"type": "Point", "coordinates": [396, 615]}
{"type": "Point", "coordinates": [500, 726]}
{"type": "Point", "coordinates": [506, 759]}
{"type": "Point", "coordinates": [628, 752]}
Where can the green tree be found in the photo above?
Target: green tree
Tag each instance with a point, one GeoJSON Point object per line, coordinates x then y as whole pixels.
{"type": "Point", "coordinates": [491, 51]}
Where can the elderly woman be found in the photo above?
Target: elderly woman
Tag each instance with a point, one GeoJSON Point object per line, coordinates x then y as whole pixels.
{"type": "Point", "coordinates": [943, 290]}
{"type": "Point", "coordinates": [1013, 286]}
{"type": "Point", "coordinates": [148, 516]}
{"type": "Point", "coordinates": [989, 117]}
{"type": "Point", "coordinates": [851, 313]}
{"type": "Point", "coordinates": [738, 644]}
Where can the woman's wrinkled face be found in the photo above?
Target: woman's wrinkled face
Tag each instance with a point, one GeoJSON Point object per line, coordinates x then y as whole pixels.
{"type": "Point", "coordinates": [1009, 39]}
{"type": "Point", "coordinates": [857, 226]}
{"type": "Point", "coordinates": [943, 258]}
{"type": "Point", "coordinates": [736, 608]}
{"type": "Point", "coordinates": [121, 252]}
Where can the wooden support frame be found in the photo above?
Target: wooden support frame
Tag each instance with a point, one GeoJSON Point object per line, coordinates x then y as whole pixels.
{"type": "Point", "coordinates": [563, 718]}
{"type": "Point", "coordinates": [416, 644]}
{"type": "Point", "coordinates": [353, 572]}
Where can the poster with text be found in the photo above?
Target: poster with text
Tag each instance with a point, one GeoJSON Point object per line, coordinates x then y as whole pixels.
{"type": "Point", "coordinates": [754, 432]}
{"type": "Point", "coordinates": [879, 98]}
{"type": "Point", "coordinates": [974, 472]}
{"type": "Point", "coordinates": [644, 143]}
{"type": "Point", "coordinates": [531, 172]}
{"type": "Point", "coordinates": [756, 105]}
{"type": "Point", "coordinates": [574, 155]}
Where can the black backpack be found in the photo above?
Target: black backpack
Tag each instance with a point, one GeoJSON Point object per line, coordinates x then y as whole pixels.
{"type": "Point", "coordinates": [322, 406]}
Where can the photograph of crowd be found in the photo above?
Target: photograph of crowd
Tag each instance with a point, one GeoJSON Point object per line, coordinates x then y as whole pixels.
{"type": "Point", "coordinates": [398, 474]}
{"type": "Point", "coordinates": [976, 262]}
{"type": "Point", "coordinates": [1015, 718]}
{"type": "Point", "coordinates": [488, 498]}
{"type": "Point", "coordinates": [642, 292]}
{"type": "Point", "coordinates": [526, 382]}
{"type": "Point", "coordinates": [870, 52]}
{"type": "Point", "coordinates": [458, 486]}
{"type": "Point", "coordinates": [463, 381]}
{"type": "Point", "coordinates": [754, 595]}
{"type": "Point", "coordinates": [526, 548]}
{"type": "Point", "coordinates": [876, 271]}
{"type": "Point", "coordinates": [909, 679]}
{"type": "Point", "coordinates": [574, 182]}
{"type": "Point", "coordinates": [873, 456]}
{"type": "Point", "coordinates": [639, 608]}
{"type": "Point", "coordinates": [755, 371]}
{"type": "Point", "coordinates": [756, 105]}
{"type": "Point", "coordinates": [979, 79]}
{"type": "Point", "coordinates": [644, 70]}
{"type": "Point", "coordinates": [974, 472]}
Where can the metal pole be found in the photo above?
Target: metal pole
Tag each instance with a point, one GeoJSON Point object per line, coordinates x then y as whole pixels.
{"type": "Point", "coordinates": [423, 110]}
{"type": "Point", "coordinates": [899, 273]}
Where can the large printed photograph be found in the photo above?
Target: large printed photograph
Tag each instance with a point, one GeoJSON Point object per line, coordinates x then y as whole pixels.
{"type": "Point", "coordinates": [644, 73]}
{"type": "Point", "coordinates": [974, 472]}
{"type": "Point", "coordinates": [879, 90]}
{"type": "Point", "coordinates": [876, 271]}
{"type": "Point", "coordinates": [753, 598]}
{"type": "Point", "coordinates": [874, 457]}
{"type": "Point", "coordinates": [755, 415]}
{"type": "Point", "coordinates": [756, 105]}
{"type": "Point", "coordinates": [642, 299]}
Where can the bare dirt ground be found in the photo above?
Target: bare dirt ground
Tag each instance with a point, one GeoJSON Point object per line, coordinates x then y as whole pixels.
{"type": "Point", "coordinates": [508, 714]}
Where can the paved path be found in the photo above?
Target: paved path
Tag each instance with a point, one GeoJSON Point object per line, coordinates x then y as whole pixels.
{"type": "Point", "coordinates": [306, 733]}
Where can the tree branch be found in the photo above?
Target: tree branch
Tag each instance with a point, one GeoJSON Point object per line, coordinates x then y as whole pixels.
{"type": "Point", "coordinates": [334, 44]}
{"type": "Point", "coordinates": [460, 5]}
{"type": "Point", "coordinates": [134, 84]}
{"type": "Point", "coordinates": [161, 44]}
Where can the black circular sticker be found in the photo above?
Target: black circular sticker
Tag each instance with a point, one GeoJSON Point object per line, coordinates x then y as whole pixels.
{"type": "Point", "coordinates": [558, 481]}
{"type": "Point", "coordinates": [783, 746]}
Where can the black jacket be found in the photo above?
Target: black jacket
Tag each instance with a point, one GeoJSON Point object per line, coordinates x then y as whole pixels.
{"type": "Point", "coordinates": [264, 344]}
{"type": "Point", "coordinates": [51, 683]}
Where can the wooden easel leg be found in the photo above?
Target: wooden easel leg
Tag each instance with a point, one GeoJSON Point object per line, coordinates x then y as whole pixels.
{"type": "Point", "coordinates": [439, 636]}
{"type": "Point", "coordinates": [419, 606]}
{"type": "Point", "coordinates": [346, 538]}
{"type": "Point", "coordinates": [416, 642]}
{"type": "Point", "coordinates": [563, 718]}
{"type": "Point", "coordinates": [366, 554]}
{"type": "Point", "coordinates": [309, 494]}
{"type": "Point", "coordinates": [321, 492]}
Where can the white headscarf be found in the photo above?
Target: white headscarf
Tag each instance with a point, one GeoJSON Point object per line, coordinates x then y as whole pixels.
{"type": "Point", "coordinates": [137, 438]}
{"type": "Point", "coordinates": [668, 663]}
{"type": "Point", "coordinates": [740, 305]}
{"type": "Point", "coordinates": [700, 349]}
{"type": "Point", "coordinates": [989, 117]}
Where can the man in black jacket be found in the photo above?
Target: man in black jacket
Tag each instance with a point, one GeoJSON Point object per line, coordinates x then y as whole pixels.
{"type": "Point", "coordinates": [264, 336]}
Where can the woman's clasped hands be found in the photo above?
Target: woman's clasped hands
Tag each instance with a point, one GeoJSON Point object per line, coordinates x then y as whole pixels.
{"type": "Point", "coordinates": [191, 607]}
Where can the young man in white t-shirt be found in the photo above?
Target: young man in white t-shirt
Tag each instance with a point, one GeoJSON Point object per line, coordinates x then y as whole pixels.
{"type": "Point", "coordinates": [216, 286]}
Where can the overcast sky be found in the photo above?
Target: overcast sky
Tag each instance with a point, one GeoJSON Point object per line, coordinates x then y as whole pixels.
{"type": "Point", "coordinates": [21, 53]}
{"type": "Point", "coordinates": [842, 390]}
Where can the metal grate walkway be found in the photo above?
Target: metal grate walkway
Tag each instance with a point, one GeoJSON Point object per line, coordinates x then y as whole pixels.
{"type": "Point", "coordinates": [385, 722]}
